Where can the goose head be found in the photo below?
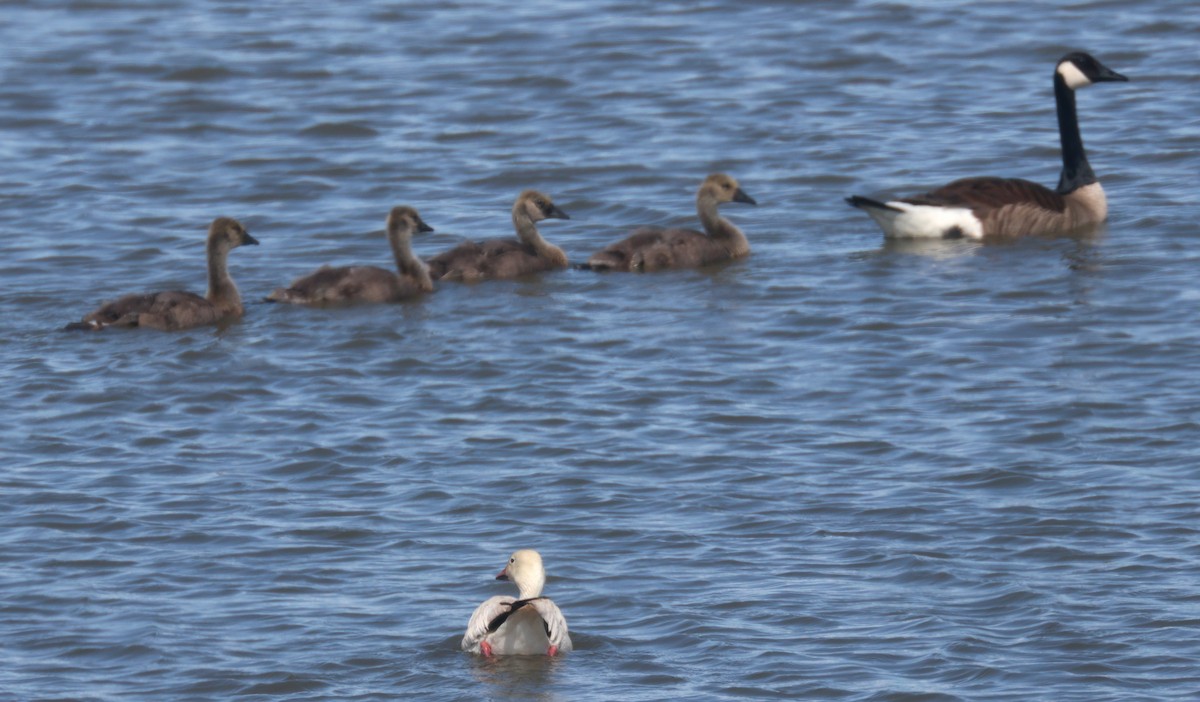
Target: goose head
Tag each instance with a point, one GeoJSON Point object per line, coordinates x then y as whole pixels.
{"type": "Point", "coordinates": [227, 233]}
{"type": "Point", "coordinates": [525, 571]}
{"type": "Point", "coordinates": [721, 188]}
{"type": "Point", "coordinates": [536, 206]}
{"type": "Point", "coordinates": [405, 220]}
{"type": "Point", "coordinates": [1079, 70]}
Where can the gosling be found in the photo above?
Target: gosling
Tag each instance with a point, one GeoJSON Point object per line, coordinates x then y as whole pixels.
{"type": "Point", "coordinates": [659, 248]}
{"type": "Point", "coordinates": [368, 283]}
{"type": "Point", "coordinates": [175, 310]}
{"type": "Point", "coordinates": [529, 253]}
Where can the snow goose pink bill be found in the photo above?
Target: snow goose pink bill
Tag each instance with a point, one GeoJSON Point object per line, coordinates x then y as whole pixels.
{"type": "Point", "coordinates": [528, 624]}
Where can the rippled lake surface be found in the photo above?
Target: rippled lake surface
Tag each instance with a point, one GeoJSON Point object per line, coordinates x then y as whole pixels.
{"type": "Point", "coordinates": [839, 469]}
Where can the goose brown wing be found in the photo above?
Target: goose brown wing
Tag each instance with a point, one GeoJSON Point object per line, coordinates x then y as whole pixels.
{"type": "Point", "coordinates": [983, 195]}
{"type": "Point", "coordinates": [179, 310]}
{"type": "Point", "coordinates": [170, 309]}
{"type": "Point", "coordinates": [347, 283]}
{"type": "Point", "coordinates": [657, 248]}
{"type": "Point", "coordinates": [509, 258]}
{"type": "Point", "coordinates": [112, 312]}
{"type": "Point", "coordinates": [678, 248]}
{"type": "Point", "coordinates": [494, 258]}
{"type": "Point", "coordinates": [494, 248]}
{"type": "Point", "coordinates": [315, 285]}
{"type": "Point", "coordinates": [455, 257]}
{"type": "Point", "coordinates": [472, 255]}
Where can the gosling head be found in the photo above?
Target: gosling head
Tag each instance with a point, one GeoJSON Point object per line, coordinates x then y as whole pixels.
{"type": "Point", "coordinates": [1079, 70]}
{"type": "Point", "coordinates": [525, 570]}
{"type": "Point", "coordinates": [405, 220]}
{"type": "Point", "coordinates": [537, 207]}
{"type": "Point", "coordinates": [724, 188]}
{"type": "Point", "coordinates": [227, 233]}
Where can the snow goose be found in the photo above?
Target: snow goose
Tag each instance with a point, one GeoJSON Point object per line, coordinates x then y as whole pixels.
{"type": "Point", "coordinates": [526, 625]}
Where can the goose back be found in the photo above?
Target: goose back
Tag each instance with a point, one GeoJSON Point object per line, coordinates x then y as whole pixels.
{"type": "Point", "coordinates": [651, 249]}
{"type": "Point", "coordinates": [1010, 207]}
{"type": "Point", "coordinates": [494, 258]}
{"type": "Point", "coordinates": [330, 284]}
{"type": "Point", "coordinates": [167, 311]}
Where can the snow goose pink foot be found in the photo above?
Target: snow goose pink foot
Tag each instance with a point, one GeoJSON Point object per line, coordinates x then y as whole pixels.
{"type": "Point", "coordinates": [526, 625]}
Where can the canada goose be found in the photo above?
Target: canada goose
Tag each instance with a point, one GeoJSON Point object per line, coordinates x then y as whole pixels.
{"type": "Point", "coordinates": [506, 258]}
{"type": "Point", "coordinates": [368, 283]}
{"type": "Point", "coordinates": [659, 248]}
{"type": "Point", "coordinates": [174, 310]}
{"type": "Point", "coordinates": [1007, 207]}
{"type": "Point", "coordinates": [527, 625]}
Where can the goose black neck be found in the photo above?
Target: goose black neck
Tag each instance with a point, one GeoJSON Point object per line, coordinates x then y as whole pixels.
{"type": "Point", "coordinates": [1076, 172]}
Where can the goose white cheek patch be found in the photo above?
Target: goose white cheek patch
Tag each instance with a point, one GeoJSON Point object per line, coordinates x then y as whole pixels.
{"type": "Point", "coordinates": [1072, 76]}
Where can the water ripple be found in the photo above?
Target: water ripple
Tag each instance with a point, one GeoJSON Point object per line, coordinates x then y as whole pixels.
{"type": "Point", "coordinates": [842, 469]}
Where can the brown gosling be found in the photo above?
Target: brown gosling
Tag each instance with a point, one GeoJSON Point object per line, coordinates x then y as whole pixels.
{"type": "Point", "coordinates": [174, 310]}
{"type": "Point", "coordinates": [368, 283]}
{"type": "Point", "coordinates": [976, 208]}
{"type": "Point", "coordinates": [659, 248]}
{"type": "Point", "coordinates": [506, 258]}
